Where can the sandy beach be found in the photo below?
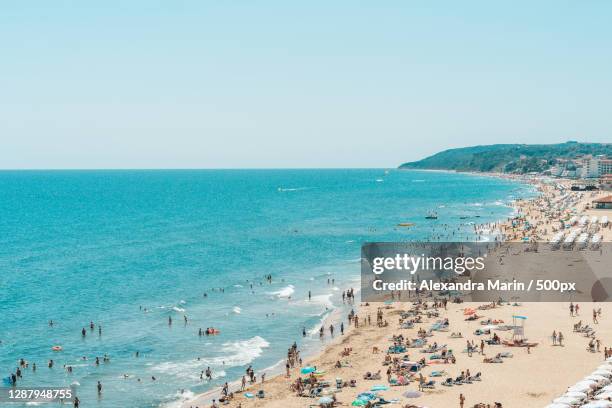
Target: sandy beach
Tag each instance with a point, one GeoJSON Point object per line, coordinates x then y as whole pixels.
{"type": "Point", "coordinates": [528, 377]}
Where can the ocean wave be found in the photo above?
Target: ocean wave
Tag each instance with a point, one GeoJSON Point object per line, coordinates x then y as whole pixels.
{"type": "Point", "coordinates": [285, 292]}
{"type": "Point", "coordinates": [178, 399]}
{"type": "Point", "coordinates": [237, 310]}
{"type": "Point", "coordinates": [282, 189]}
{"type": "Point", "coordinates": [243, 352]}
{"type": "Point", "coordinates": [178, 309]}
{"type": "Point", "coordinates": [314, 331]}
{"type": "Point", "coordinates": [325, 300]}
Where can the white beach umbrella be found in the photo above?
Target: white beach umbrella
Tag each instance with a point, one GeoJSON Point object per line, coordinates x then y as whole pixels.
{"type": "Point", "coordinates": [567, 400]}
{"type": "Point", "coordinates": [598, 378]}
{"type": "Point", "coordinates": [581, 395]}
{"type": "Point", "coordinates": [604, 396]}
{"type": "Point", "coordinates": [557, 405]}
{"type": "Point", "coordinates": [598, 404]}
{"type": "Point", "coordinates": [583, 386]}
{"type": "Point", "coordinates": [605, 366]}
{"type": "Point", "coordinates": [607, 388]}
{"type": "Point", "coordinates": [603, 373]}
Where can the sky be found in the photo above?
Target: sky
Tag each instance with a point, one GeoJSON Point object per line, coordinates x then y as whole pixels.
{"type": "Point", "coordinates": [274, 84]}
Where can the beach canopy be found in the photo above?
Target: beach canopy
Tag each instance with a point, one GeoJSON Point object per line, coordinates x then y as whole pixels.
{"type": "Point", "coordinates": [379, 388]}
{"type": "Point", "coordinates": [603, 373]}
{"type": "Point", "coordinates": [598, 404]}
{"type": "Point", "coordinates": [366, 396]}
{"type": "Point", "coordinates": [582, 386]}
{"type": "Point", "coordinates": [604, 395]}
{"type": "Point", "coordinates": [577, 394]}
{"type": "Point", "coordinates": [412, 394]}
{"type": "Point", "coordinates": [519, 317]}
{"type": "Point", "coordinates": [600, 379]}
{"type": "Point", "coordinates": [567, 400]}
{"type": "Point", "coordinates": [308, 370]}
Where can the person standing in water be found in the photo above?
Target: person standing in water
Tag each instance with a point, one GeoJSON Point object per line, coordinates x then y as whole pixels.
{"type": "Point", "coordinates": [99, 387]}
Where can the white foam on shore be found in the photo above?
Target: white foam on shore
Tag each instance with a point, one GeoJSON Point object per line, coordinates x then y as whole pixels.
{"type": "Point", "coordinates": [178, 399]}
{"type": "Point", "coordinates": [243, 351]}
{"type": "Point", "coordinates": [284, 292]}
{"type": "Point", "coordinates": [178, 309]}
{"type": "Point", "coordinates": [238, 353]}
{"type": "Point", "coordinates": [324, 300]}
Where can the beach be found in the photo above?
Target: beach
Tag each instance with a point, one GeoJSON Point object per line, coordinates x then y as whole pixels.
{"type": "Point", "coordinates": [531, 377]}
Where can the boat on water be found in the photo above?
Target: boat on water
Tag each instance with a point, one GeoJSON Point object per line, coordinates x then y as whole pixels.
{"type": "Point", "coordinates": [432, 215]}
{"type": "Point", "coordinates": [405, 224]}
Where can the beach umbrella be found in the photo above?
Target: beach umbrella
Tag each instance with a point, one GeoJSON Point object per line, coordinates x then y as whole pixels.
{"type": "Point", "coordinates": [603, 373]}
{"type": "Point", "coordinates": [359, 403]}
{"type": "Point", "coordinates": [326, 400]}
{"type": "Point", "coordinates": [581, 395]}
{"type": "Point", "coordinates": [412, 394]}
{"type": "Point", "coordinates": [598, 378]}
{"type": "Point", "coordinates": [567, 400]}
{"type": "Point", "coordinates": [582, 386]}
{"type": "Point", "coordinates": [490, 327]}
{"type": "Point", "coordinates": [555, 405]}
{"type": "Point", "coordinates": [605, 366]}
{"type": "Point", "coordinates": [598, 404]}
{"type": "Point", "coordinates": [308, 370]}
{"type": "Point", "coordinates": [379, 388]}
{"type": "Point", "coordinates": [604, 395]}
{"type": "Point", "coordinates": [366, 396]}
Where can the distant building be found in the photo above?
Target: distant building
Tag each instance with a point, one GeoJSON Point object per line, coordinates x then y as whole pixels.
{"type": "Point", "coordinates": [605, 183]}
{"type": "Point", "coordinates": [605, 167]}
{"type": "Point", "coordinates": [590, 167]}
{"type": "Point", "coordinates": [594, 167]}
{"type": "Point", "coordinates": [604, 203]}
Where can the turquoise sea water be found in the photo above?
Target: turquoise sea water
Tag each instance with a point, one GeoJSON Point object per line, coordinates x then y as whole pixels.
{"type": "Point", "coordinates": [81, 246]}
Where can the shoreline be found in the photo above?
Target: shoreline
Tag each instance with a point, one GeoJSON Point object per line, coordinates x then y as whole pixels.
{"type": "Point", "coordinates": [316, 355]}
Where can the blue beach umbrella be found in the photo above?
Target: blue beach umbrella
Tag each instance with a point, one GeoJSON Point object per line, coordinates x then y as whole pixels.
{"type": "Point", "coordinates": [379, 388]}
{"type": "Point", "coordinates": [358, 403]}
{"type": "Point", "coordinates": [307, 370]}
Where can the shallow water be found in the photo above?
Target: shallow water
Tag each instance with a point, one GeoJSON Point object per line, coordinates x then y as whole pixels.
{"type": "Point", "coordinates": [81, 246]}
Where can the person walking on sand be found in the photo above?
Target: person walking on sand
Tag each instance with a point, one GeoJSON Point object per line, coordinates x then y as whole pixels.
{"type": "Point", "coordinates": [342, 328]}
{"type": "Point", "coordinates": [576, 308]}
{"type": "Point", "coordinates": [331, 330]}
{"type": "Point", "coordinates": [461, 400]}
{"type": "Point", "coordinates": [554, 337]}
{"type": "Point", "coordinates": [571, 308]}
{"type": "Point", "coordinates": [243, 383]}
{"type": "Point", "coordinates": [560, 337]}
{"type": "Point", "coordinates": [595, 316]}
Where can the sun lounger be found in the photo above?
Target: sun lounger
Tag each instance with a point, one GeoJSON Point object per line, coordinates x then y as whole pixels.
{"type": "Point", "coordinates": [431, 384]}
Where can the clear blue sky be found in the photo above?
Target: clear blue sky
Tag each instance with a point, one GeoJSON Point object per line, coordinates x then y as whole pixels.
{"type": "Point", "coordinates": [169, 84]}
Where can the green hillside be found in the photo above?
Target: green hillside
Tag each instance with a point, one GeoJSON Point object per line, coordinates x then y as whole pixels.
{"type": "Point", "coordinates": [519, 158]}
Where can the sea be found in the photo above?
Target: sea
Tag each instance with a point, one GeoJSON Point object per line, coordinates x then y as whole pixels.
{"type": "Point", "coordinates": [127, 250]}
